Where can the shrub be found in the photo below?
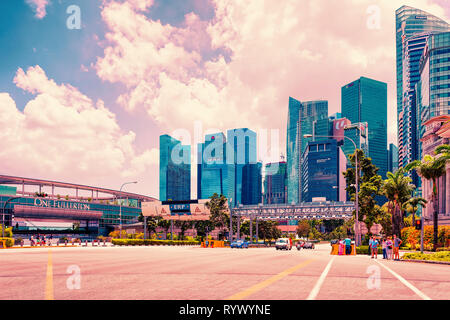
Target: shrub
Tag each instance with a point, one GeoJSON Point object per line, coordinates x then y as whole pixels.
{"type": "Point", "coordinates": [365, 250]}
{"type": "Point", "coordinates": [437, 256]}
{"type": "Point", "coordinates": [9, 241]}
{"type": "Point", "coordinates": [412, 236]}
{"type": "Point", "coordinates": [152, 242]}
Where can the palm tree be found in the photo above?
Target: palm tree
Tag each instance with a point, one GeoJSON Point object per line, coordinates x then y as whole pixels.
{"type": "Point", "coordinates": [431, 168]}
{"type": "Point", "coordinates": [412, 205]}
{"type": "Point", "coordinates": [398, 189]}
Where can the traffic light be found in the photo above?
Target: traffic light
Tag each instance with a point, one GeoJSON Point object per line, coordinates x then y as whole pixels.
{"type": "Point", "coordinates": [418, 224]}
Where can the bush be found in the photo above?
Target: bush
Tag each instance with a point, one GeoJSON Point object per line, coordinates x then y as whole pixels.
{"type": "Point", "coordinates": [152, 242]}
{"type": "Point", "coordinates": [412, 236]}
{"type": "Point", "coordinates": [365, 250]}
{"type": "Point", "coordinates": [437, 256]}
{"type": "Point", "coordinates": [18, 241]}
{"type": "Point", "coordinates": [8, 232]}
{"type": "Point", "coordinates": [9, 241]}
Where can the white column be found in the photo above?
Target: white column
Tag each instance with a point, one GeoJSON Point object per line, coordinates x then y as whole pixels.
{"type": "Point", "coordinates": [447, 190]}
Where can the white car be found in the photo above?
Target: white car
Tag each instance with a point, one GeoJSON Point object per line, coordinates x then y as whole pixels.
{"type": "Point", "coordinates": [283, 243]}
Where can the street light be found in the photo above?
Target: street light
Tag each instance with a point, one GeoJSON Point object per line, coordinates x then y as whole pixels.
{"type": "Point", "coordinates": [120, 208]}
{"type": "Point", "coordinates": [4, 207]}
{"type": "Point", "coordinates": [357, 235]}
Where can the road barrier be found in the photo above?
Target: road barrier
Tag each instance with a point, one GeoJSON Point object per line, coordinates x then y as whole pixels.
{"type": "Point", "coordinates": [213, 244]}
{"type": "Point", "coordinates": [335, 250]}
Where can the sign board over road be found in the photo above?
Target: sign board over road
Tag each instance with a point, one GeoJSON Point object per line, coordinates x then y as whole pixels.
{"type": "Point", "coordinates": [191, 210]}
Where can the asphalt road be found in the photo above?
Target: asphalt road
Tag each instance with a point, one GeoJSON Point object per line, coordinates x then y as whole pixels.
{"type": "Point", "coordinates": [213, 273]}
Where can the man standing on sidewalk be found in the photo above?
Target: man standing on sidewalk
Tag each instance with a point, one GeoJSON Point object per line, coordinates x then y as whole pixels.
{"type": "Point", "coordinates": [348, 246]}
{"type": "Point", "coordinates": [397, 243]}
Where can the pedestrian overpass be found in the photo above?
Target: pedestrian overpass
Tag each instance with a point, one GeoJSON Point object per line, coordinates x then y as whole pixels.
{"type": "Point", "coordinates": [305, 210]}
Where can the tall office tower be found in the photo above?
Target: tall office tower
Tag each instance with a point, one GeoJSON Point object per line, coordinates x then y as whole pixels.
{"type": "Point", "coordinates": [392, 158]}
{"type": "Point", "coordinates": [302, 119]}
{"type": "Point", "coordinates": [357, 132]}
{"type": "Point", "coordinates": [433, 89]}
{"type": "Point", "coordinates": [365, 100]}
{"type": "Point", "coordinates": [174, 169]}
{"type": "Point", "coordinates": [241, 155]}
{"type": "Point", "coordinates": [413, 27]}
{"type": "Point", "coordinates": [275, 183]}
{"type": "Point", "coordinates": [322, 167]}
{"type": "Point", "coordinates": [214, 174]}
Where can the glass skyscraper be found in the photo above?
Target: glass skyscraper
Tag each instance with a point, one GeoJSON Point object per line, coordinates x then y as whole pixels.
{"type": "Point", "coordinates": [174, 169]}
{"type": "Point", "coordinates": [322, 167]}
{"type": "Point", "coordinates": [413, 27]}
{"type": "Point", "coordinates": [275, 183]}
{"type": "Point", "coordinates": [392, 158]}
{"type": "Point", "coordinates": [302, 119]}
{"type": "Point", "coordinates": [365, 100]}
{"type": "Point", "coordinates": [228, 166]}
{"type": "Point", "coordinates": [433, 90]}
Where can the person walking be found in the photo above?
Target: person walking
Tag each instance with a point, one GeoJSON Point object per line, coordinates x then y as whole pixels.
{"type": "Point", "coordinates": [348, 246]}
{"type": "Point", "coordinates": [383, 246]}
{"type": "Point", "coordinates": [389, 245]}
{"type": "Point", "coordinates": [341, 247]}
{"type": "Point", "coordinates": [397, 243]}
{"type": "Point", "coordinates": [374, 247]}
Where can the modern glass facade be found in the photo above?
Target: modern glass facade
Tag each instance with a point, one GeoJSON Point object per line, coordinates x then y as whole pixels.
{"type": "Point", "coordinates": [413, 26]}
{"type": "Point", "coordinates": [275, 183]}
{"type": "Point", "coordinates": [228, 166]}
{"type": "Point", "coordinates": [365, 100]}
{"type": "Point", "coordinates": [392, 158]}
{"type": "Point", "coordinates": [41, 222]}
{"type": "Point", "coordinates": [174, 169]}
{"type": "Point", "coordinates": [303, 118]}
{"type": "Point", "coordinates": [321, 171]}
{"type": "Point", "coordinates": [433, 90]}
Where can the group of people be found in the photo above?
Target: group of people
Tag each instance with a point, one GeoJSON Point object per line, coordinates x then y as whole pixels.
{"type": "Point", "coordinates": [390, 246]}
{"type": "Point", "coordinates": [345, 246]}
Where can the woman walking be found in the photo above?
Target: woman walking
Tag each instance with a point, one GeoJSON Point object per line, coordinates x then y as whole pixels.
{"type": "Point", "coordinates": [383, 246]}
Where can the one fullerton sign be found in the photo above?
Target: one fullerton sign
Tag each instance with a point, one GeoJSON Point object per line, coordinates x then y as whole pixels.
{"type": "Point", "coordinates": [60, 204]}
{"type": "Point", "coordinates": [197, 211]}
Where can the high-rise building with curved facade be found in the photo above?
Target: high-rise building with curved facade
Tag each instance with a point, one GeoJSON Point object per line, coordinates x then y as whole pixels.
{"type": "Point", "coordinates": [413, 27]}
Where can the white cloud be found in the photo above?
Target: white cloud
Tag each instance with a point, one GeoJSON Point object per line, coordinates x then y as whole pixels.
{"type": "Point", "coordinates": [62, 134]}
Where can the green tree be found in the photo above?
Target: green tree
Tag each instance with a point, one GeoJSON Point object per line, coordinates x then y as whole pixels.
{"type": "Point", "coordinates": [165, 224]}
{"type": "Point", "coordinates": [220, 217]}
{"type": "Point", "coordinates": [203, 227]}
{"type": "Point", "coordinates": [398, 189]}
{"type": "Point", "coordinates": [432, 168]}
{"type": "Point", "coordinates": [184, 225]}
{"type": "Point", "coordinates": [385, 219]}
{"type": "Point", "coordinates": [152, 223]}
{"type": "Point", "coordinates": [369, 187]}
{"type": "Point", "coordinates": [268, 230]}
{"type": "Point", "coordinates": [412, 206]}
{"type": "Point", "coordinates": [303, 228]}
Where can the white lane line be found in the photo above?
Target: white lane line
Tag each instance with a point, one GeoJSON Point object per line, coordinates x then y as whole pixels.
{"type": "Point", "coordinates": [406, 283]}
{"type": "Point", "coordinates": [316, 289]}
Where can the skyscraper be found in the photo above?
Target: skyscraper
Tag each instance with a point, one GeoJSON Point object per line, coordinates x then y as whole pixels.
{"type": "Point", "coordinates": [174, 169]}
{"type": "Point", "coordinates": [322, 167]}
{"type": "Point", "coordinates": [303, 118]}
{"type": "Point", "coordinates": [365, 100]}
{"type": "Point", "coordinates": [214, 174]}
{"type": "Point", "coordinates": [392, 158]}
{"type": "Point", "coordinates": [241, 154]}
{"type": "Point", "coordinates": [275, 183]}
{"type": "Point", "coordinates": [433, 89]}
{"type": "Point", "coordinates": [228, 166]}
{"type": "Point", "coordinates": [413, 27]}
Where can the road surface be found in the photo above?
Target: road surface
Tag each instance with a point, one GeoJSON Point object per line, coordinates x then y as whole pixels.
{"type": "Point", "coordinates": [213, 273]}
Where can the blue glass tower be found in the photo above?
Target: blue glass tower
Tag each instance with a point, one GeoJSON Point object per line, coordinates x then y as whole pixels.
{"type": "Point", "coordinates": [174, 169]}
{"type": "Point", "coordinates": [365, 100]}
{"type": "Point", "coordinates": [275, 183]}
{"type": "Point", "coordinates": [303, 118]}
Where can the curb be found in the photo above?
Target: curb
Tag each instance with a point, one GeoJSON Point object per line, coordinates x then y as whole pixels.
{"type": "Point", "coordinates": [427, 261]}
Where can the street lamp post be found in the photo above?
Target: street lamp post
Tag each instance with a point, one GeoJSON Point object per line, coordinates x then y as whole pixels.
{"type": "Point", "coordinates": [3, 211]}
{"type": "Point", "coordinates": [120, 208]}
{"type": "Point", "coordinates": [230, 233]}
{"type": "Point", "coordinates": [357, 235]}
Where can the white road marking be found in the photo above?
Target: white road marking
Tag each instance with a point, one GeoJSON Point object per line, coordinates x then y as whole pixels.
{"type": "Point", "coordinates": [316, 289]}
{"type": "Point", "coordinates": [406, 283]}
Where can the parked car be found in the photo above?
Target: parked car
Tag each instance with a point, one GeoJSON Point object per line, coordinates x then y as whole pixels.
{"type": "Point", "coordinates": [309, 245]}
{"type": "Point", "coordinates": [283, 243]}
{"type": "Point", "coordinates": [300, 245]}
{"type": "Point", "coordinates": [239, 244]}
